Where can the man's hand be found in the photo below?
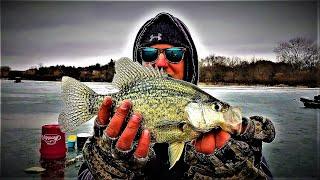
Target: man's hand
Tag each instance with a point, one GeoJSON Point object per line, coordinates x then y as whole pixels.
{"type": "Point", "coordinates": [126, 137]}
{"type": "Point", "coordinates": [218, 155]}
{"type": "Point", "coordinates": [207, 143]}
{"type": "Point", "coordinates": [113, 152]}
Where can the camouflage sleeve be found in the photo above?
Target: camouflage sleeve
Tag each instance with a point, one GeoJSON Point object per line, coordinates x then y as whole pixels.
{"type": "Point", "coordinates": [105, 161]}
{"type": "Point", "coordinates": [235, 160]}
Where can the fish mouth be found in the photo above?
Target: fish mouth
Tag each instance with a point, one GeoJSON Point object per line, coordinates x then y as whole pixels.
{"type": "Point", "coordinates": [163, 72]}
{"type": "Point", "coordinates": [234, 116]}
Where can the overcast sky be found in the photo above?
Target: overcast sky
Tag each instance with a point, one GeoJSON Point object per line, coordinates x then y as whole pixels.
{"type": "Point", "coordinates": [86, 33]}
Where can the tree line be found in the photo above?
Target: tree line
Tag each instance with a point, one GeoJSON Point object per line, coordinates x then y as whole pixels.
{"type": "Point", "coordinates": [97, 72]}
{"type": "Point", "coordinates": [259, 71]}
{"type": "Point", "coordinates": [298, 64]}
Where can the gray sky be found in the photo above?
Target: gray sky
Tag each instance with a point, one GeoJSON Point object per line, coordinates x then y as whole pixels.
{"type": "Point", "coordinates": [85, 33]}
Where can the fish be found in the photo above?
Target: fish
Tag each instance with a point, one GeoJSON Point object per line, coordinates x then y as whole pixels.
{"type": "Point", "coordinates": [173, 110]}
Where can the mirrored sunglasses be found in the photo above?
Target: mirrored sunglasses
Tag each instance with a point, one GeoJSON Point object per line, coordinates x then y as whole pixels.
{"type": "Point", "coordinates": [173, 55]}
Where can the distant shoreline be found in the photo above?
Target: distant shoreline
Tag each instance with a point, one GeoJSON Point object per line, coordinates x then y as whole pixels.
{"type": "Point", "coordinates": [221, 84]}
{"type": "Point", "coordinates": [214, 71]}
{"type": "Point", "coordinates": [204, 84]}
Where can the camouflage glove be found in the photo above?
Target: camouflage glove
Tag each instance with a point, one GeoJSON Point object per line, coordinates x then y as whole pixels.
{"type": "Point", "coordinates": [105, 161]}
{"type": "Point", "coordinates": [113, 151]}
{"type": "Point", "coordinates": [235, 160]}
{"type": "Point", "coordinates": [239, 158]}
{"type": "Point", "coordinates": [257, 130]}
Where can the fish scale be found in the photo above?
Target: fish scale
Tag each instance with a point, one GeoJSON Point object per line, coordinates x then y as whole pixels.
{"type": "Point", "coordinates": [174, 111]}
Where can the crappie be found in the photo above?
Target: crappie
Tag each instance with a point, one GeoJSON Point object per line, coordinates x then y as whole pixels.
{"type": "Point", "coordinates": [174, 111]}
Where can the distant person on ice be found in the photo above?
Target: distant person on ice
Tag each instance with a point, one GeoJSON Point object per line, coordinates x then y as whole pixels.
{"type": "Point", "coordinates": [165, 42]}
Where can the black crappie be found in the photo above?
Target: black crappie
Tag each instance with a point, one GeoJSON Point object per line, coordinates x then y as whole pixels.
{"type": "Point", "coordinates": [174, 111]}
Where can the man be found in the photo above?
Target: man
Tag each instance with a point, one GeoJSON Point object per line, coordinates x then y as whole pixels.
{"type": "Point", "coordinates": [165, 42]}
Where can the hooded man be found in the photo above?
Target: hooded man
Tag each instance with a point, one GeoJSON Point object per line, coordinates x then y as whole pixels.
{"type": "Point", "coordinates": [167, 29]}
{"type": "Point", "coordinates": [164, 42]}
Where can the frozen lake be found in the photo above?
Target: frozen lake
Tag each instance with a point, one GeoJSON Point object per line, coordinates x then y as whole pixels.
{"type": "Point", "coordinates": [26, 106]}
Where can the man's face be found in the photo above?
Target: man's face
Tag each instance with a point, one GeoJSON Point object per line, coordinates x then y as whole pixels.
{"type": "Point", "coordinates": [175, 70]}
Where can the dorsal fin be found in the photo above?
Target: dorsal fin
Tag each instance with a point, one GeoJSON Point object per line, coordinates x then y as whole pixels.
{"type": "Point", "coordinates": [128, 71]}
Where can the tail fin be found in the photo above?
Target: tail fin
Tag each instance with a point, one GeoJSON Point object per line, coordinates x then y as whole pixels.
{"type": "Point", "coordinates": [79, 101]}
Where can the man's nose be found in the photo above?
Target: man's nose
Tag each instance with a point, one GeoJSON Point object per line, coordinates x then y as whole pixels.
{"type": "Point", "coordinates": [162, 61]}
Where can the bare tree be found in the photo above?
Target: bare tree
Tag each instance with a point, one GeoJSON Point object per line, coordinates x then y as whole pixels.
{"type": "Point", "coordinates": [234, 61]}
{"type": "Point", "coordinates": [299, 52]}
{"type": "Point", "coordinates": [209, 60]}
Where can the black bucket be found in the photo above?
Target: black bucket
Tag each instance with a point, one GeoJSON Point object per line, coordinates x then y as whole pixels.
{"type": "Point", "coordinates": [81, 139]}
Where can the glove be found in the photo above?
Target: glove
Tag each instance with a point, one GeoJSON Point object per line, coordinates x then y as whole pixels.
{"type": "Point", "coordinates": [253, 131]}
{"type": "Point", "coordinates": [234, 160]}
{"type": "Point", "coordinates": [112, 153]}
{"type": "Point", "coordinates": [202, 157]}
{"type": "Point", "coordinates": [256, 130]}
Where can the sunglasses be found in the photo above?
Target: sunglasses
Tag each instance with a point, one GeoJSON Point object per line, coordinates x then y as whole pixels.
{"type": "Point", "coordinates": [173, 55]}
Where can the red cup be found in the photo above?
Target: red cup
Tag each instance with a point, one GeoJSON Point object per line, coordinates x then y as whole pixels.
{"type": "Point", "coordinates": [53, 144]}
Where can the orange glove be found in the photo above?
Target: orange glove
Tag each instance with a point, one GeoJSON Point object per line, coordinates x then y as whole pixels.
{"type": "Point", "coordinates": [126, 138]}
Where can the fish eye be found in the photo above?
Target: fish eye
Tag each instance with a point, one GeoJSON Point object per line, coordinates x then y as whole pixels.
{"type": "Point", "coordinates": [217, 106]}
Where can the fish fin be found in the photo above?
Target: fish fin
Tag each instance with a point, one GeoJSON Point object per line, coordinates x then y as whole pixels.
{"type": "Point", "coordinates": [79, 102]}
{"type": "Point", "coordinates": [175, 152]}
{"type": "Point", "coordinates": [128, 72]}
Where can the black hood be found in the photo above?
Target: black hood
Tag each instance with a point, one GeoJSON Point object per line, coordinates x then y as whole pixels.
{"type": "Point", "coordinates": [165, 28]}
